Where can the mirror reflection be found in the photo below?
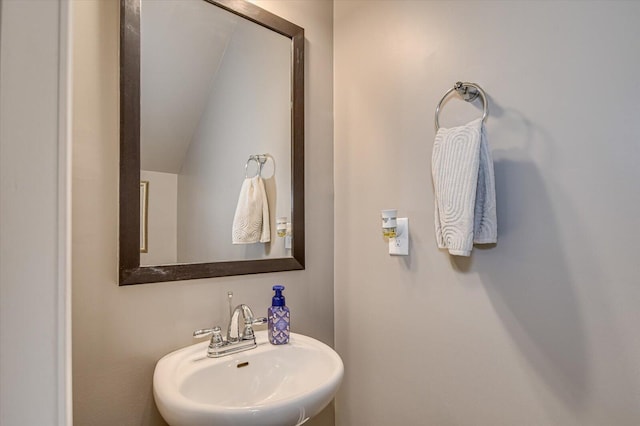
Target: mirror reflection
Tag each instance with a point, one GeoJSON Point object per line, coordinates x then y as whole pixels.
{"type": "Point", "coordinates": [212, 119]}
{"type": "Point", "coordinates": [215, 92]}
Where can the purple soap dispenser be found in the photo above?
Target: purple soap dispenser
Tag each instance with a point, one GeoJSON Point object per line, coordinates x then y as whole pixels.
{"type": "Point", "coordinates": [279, 318]}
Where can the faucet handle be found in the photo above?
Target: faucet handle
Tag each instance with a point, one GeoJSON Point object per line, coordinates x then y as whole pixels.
{"type": "Point", "coordinates": [259, 321]}
{"type": "Point", "coordinates": [248, 333]}
{"type": "Point", "coordinates": [216, 338]}
{"type": "Point", "coordinates": [202, 332]}
{"type": "Point", "coordinates": [215, 332]}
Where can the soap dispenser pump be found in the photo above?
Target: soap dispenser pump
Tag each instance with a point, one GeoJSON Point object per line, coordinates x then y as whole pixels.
{"type": "Point", "coordinates": [279, 318]}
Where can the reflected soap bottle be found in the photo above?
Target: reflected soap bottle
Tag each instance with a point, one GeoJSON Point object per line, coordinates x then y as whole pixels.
{"type": "Point", "coordinates": [279, 318]}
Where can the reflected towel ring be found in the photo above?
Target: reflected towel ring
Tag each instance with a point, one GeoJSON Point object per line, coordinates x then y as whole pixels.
{"type": "Point", "coordinates": [469, 92]}
{"type": "Point", "coordinates": [260, 159]}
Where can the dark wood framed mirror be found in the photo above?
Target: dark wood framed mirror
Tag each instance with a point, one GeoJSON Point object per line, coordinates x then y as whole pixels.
{"type": "Point", "coordinates": [131, 270]}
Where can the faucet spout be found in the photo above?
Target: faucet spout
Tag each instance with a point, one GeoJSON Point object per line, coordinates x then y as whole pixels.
{"type": "Point", "coordinates": [240, 330]}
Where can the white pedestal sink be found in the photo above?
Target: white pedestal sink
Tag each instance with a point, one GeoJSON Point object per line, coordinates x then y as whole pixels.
{"type": "Point", "coordinates": [267, 386]}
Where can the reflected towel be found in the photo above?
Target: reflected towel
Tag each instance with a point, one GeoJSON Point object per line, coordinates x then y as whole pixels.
{"type": "Point", "coordinates": [464, 186]}
{"type": "Point", "coordinates": [251, 220]}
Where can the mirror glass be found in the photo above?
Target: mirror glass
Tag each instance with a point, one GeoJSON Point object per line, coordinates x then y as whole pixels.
{"type": "Point", "coordinates": [213, 146]}
{"type": "Point", "coordinates": [215, 88]}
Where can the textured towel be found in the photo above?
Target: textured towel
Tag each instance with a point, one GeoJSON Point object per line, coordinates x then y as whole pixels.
{"type": "Point", "coordinates": [464, 185]}
{"type": "Point", "coordinates": [251, 220]}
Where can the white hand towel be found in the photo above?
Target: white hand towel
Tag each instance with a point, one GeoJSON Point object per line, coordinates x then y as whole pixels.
{"type": "Point", "coordinates": [464, 185]}
{"type": "Point", "coordinates": [251, 220]}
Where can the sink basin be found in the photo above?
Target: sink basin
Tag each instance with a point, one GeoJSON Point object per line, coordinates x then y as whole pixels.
{"type": "Point", "coordinates": [270, 385]}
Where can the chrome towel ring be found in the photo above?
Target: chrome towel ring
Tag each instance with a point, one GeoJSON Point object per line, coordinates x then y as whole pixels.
{"type": "Point", "coordinates": [258, 158]}
{"type": "Point", "coordinates": [469, 92]}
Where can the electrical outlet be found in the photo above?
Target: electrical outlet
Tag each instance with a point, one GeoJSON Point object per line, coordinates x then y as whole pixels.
{"type": "Point", "coordinates": [399, 246]}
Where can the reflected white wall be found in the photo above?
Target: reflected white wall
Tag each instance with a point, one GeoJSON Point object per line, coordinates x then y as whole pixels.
{"type": "Point", "coordinates": [248, 112]}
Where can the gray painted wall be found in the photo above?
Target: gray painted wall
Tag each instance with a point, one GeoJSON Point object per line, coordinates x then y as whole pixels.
{"type": "Point", "coordinates": [35, 375]}
{"type": "Point", "coordinates": [120, 332]}
{"type": "Point", "coordinates": [541, 329]}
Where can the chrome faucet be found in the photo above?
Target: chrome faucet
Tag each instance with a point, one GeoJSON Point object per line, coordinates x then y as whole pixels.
{"type": "Point", "coordinates": [240, 335]}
